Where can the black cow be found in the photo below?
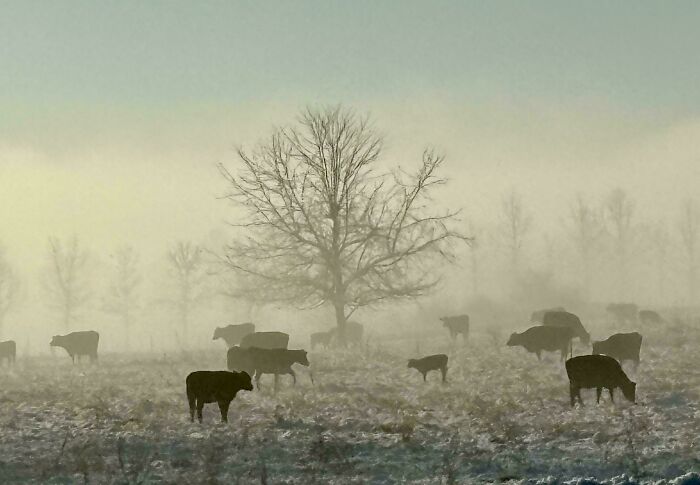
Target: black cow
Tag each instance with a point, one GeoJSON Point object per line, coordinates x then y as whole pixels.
{"type": "Point", "coordinates": [256, 361]}
{"type": "Point", "coordinates": [650, 317]}
{"type": "Point", "coordinates": [624, 313]}
{"type": "Point", "coordinates": [621, 346]}
{"type": "Point", "coordinates": [78, 343]}
{"type": "Point", "coordinates": [456, 325]}
{"type": "Point", "coordinates": [538, 315]}
{"type": "Point", "coordinates": [322, 338]}
{"type": "Point", "coordinates": [266, 340]}
{"type": "Point", "coordinates": [8, 350]}
{"type": "Point", "coordinates": [566, 319]}
{"type": "Point", "coordinates": [431, 362]}
{"type": "Point", "coordinates": [232, 334]}
{"type": "Point", "coordinates": [540, 338]}
{"type": "Point", "coordinates": [597, 371]}
{"type": "Point", "coordinates": [215, 386]}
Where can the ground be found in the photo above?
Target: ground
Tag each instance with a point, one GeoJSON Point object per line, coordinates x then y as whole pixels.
{"type": "Point", "coordinates": [501, 416]}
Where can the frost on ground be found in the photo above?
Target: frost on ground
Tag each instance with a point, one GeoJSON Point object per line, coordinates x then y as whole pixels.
{"type": "Point", "coordinates": [368, 419]}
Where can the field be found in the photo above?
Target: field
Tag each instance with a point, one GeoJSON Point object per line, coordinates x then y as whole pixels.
{"type": "Point", "coordinates": [501, 416]}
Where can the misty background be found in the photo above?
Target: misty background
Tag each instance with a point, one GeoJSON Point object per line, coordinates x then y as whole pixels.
{"type": "Point", "coordinates": [114, 116]}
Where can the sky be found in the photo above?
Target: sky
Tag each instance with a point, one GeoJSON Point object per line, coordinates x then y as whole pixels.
{"type": "Point", "coordinates": [113, 115]}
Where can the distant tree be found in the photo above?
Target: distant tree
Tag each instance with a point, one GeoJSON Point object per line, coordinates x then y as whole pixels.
{"type": "Point", "coordinates": [187, 266]}
{"type": "Point", "coordinates": [514, 226]}
{"type": "Point", "coordinates": [9, 289]}
{"type": "Point", "coordinates": [689, 229]}
{"type": "Point", "coordinates": [585, 230]}
{"type": "Point", "coordinates": [121, 298]}
{"type": "Point", "coordinates": [65, 281]}
{"type": "Point", "coordinates": [619, 211]}
{"type": "Point", "coordinates": [474, 255]}
{"type": "Point", "coordinates": [660, 242]}
{"type": "Point", "coordinates": [323, 226]}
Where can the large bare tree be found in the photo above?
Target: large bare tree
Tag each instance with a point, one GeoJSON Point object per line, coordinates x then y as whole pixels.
{"type": "Point", "coordinates": [689, 229]}
{"type": "Point", "coordinates": [9, 289]}
{"type": "Point", "coordinates": [121, 298]}
{"type": "Point", "coordinates": [65, 281]}
{"type": "Point", "coordinates": [585, 230]}
{"type": "Point", "coordinates": [323, 225]}
{"type": "Point", "coordinates": [187, 266]}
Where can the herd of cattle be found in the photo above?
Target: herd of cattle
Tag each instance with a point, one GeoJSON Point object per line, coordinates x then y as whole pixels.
{"type": "Point", "coordinates": [251, 354]}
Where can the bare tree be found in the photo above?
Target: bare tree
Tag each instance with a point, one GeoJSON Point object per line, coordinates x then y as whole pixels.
{"type": "Point", "coordinates": [514, 227]}
{"type": "Point", "coordinates": [619, 210]}
{"type": "Point", "coordinates": [660, 241]}
{"type": "Point", "coordinates": [65, 279]}
{"type": "Point", "coordinates": [9, 289]}
{"type": "Point", "coordinates": [474, 255]}
{"type": "Point", "coordinates": [323, 226]}
{"type": "Point", "coordinates": [121, 299]}
{"type": "Point", "coordinates": [586, 229]}
{"type": "Point", "coordinates": [187, 265]}
{"type": "Point", "coordinates": [689, 228]}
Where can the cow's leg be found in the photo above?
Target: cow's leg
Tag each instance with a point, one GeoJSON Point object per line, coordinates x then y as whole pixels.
{"type": "Point", "coordinates": [444, 373]}
{"type": "Point", "coordinates": [257, 380]}
{"type": "Point", "coordinates": [72, 356]}
{"type": "Point", "coordinates": [223, 408]}
{"type": "Point", "coordinates": [276, 384]}
{"type": "Point", "coordinates": [191, 399]}
{"type": "Point", "coordinates": [572, 394]}
{"type": "Point", "coordinates": [539, 355]}
{"type": "Point", "coordinates": [598, 392]}
{"type": "Point", "coordinates": [611, 394]}
{"type": "Point", "coordinates": [424, 376]}
{"type": "Point", "coordinates": [200, 406]}
{"type": "Point", "coordinates": [294, 376]}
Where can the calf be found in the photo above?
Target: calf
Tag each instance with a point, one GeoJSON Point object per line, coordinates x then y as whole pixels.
{"type": "Point", "coordinates": [456, 325]}
{"type": "Point", "coordinates": [431, 362]}
{"type": "Point", "coordinates": [621, 346]}
{"type": "Point", "coordinates": [78, 343]}
{"type": "Point", "coordinates": [265, 361]}
{"type": "Point", "coordinates": [266, 340]}
{"type": "Point", "coordinates": [232, 334]}
{"type": "Point", "coordinates": [322, 338]}
{"type": "Point", "coordinates": [566, 319]}
{"type": "Point", "coordinates": [540, 338]}
{"type": "Point", "coordinates": [215, 386]}
{"type": "Point", "coordinates": [8, 350]}
{"type": "Point", "coordinates": [599, 371]}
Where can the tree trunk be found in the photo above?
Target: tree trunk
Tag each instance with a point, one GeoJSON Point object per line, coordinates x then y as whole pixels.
{"type": "Point", "coordinates": [340, 320]}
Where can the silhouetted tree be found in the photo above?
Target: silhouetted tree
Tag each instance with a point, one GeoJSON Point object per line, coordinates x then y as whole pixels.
{"type": "Point", "coordinates": [659, 239]}
{"type": "Point", "coordinates": [9, 289]}
{"type": "Point", "coordinates": [65, 281]}
{"type": "Point", "coordinates": [514, 226]}
{"type": "Point", "coordinates": [689, 229]}
{"type": "Point", "coordinates": [619, 210]}
{"type": "Point", "coordinates": [121, 299]}
{"type": "Point", "coordinates": [475, 254]}
{"type": "Point", "coordinates": [187, 266]}
{"type": "Point", "coordinates": [585, 230]}
{"type": "Point", "coordinates": [323, 226]}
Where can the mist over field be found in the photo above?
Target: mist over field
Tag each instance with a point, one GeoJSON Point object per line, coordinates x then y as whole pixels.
{"type": "Point", "coordinates": [349, 174]}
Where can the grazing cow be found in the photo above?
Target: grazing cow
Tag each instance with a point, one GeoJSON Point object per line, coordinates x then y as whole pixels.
{"type": "Point", "coordinates": [215, 386]}
{"type": "Point", "coordinates": [232, 334]}
{"type": "Point", "coordinates": [78, 343]}
{"type": "Point", "coordinates": [456, 325]}
{"type": "Point", "coordinates": [621, 346]}
{"type": "Point", "coordinates": [431, 362]}
{"type": "Point", "coordinates": [624, 313]}
{"type": "Point", "coordinates": [8, 350]}
{"type": "Point", "coordinates": [322, 338]}
{"type": "Point", "coordinates": [538, 315]}
{"type": "Point", "coordinates": [258, 361]}
{"type": "Point", "coordinates": [650, 317]}
{"type": "Point", "coordinates": [540, 338]}
{"type": "Point", "coordinates": [599, 371]}
{"type": "Point", "coordinates": [566, 319]}
{"type": "Point", "coordinates": [266, 340]}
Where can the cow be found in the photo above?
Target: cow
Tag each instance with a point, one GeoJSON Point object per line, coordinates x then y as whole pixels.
{"type": "Point", "coordinates": [538, 315]}
{"type": "Point", "coordinates": [540, 338]}
{"type": "Point", "coordinates": [232, 334]}
{"type": "Point", "coordinates": [322, 338]}
{"type": "Point", "coordinates": [266, 340]}
{"type": "Point", "coordinates": [431, 362]}
{"type": "Point", "coordinates": [621, 346]}
{"type": "Point", "coordinates": [78, 343]}
{"type": "Point", "coordinates": [650, 317]}
{"type": "Point", "coordinates": [257, 361]}
{"type": "Point", "coordinates": [215, 386]}
{"type": "Point", "coordinates": [456, 325]}
{"type": "Point", "coordinates": [566, 319]}
{"type": "Point", "coordinates": [597, 371]}
{"type": "Point", "coordinates": [8, 350]}
{"type": "Point", "coordinates": [624, 313]}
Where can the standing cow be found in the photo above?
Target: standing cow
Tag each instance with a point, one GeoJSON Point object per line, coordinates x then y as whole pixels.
{"type": "Point", "coordinates": [78, 343]}
{"type": "Point", "coordinates": [215, 386]}
{"type": "Point", "coordinates": [257, 361]}
{"type": "Point", "coordinates": [321, 338]}
{"type": "Point", "coordinates": [456, 325]}
{"type": "Point", "coordinates": [8, 350]}
{"type": "Point", "coordinates": [541, 338]}
{"type": "Point", "coordinates": [621, 346]}
{"type": "Point", "coordinates": [566, 319]}
{"type": "Point", "coordinates": [597, 371]}
{"type": "Point", "coordinates": [233, 334]}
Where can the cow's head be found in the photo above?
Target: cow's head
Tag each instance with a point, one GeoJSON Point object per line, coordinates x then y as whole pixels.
{"type": "Point", "coordinates": [586, 338]}
{"type": "Point", "coordinates": [56, 341]}
{"type": "Point", "coordinates": [445, 321]}
{"type": "Point", "coordinates": [597, 348]}
{"type": "Point", "coordinates": [513, 340]}
{"type": "Point", "coordinates": [303, 359]}
{"type": "Point", "coordinates": [411, 363]}
{"type": "Point", "coordinates": [629, 390]}
{"type": "Point", "coordinates": [245, 381]}
{"type": "Point", "coordinates": [217, 333]}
